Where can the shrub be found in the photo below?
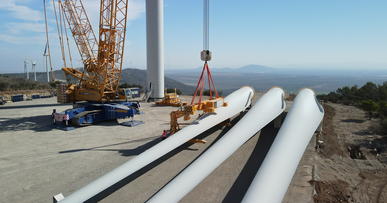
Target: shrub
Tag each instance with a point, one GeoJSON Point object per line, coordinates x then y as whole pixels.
{"type": "Point", "coordinates": [383, 108]}
{"type": "Point", "coordinates": [369, 106]}
{"type": "Point", "coordinates": [4, 86]}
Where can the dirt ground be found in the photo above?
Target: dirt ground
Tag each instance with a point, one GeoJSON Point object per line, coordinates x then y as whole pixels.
{"type": "Point", "coordinates": [352, 166]}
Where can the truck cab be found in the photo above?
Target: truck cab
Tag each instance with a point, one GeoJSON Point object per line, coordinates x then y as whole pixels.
{"type": "Point", "coordinates": [124, 94]}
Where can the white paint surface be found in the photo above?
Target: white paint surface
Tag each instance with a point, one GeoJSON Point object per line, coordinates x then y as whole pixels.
{"type": "Point", "coordinates": [237, 102]}
{"type": "Point", "coordinates": [277, 170]}
{"type": "Point", "coordinates": [266, 109]}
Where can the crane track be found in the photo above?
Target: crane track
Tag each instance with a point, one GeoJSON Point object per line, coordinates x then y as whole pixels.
{"type": "Point", "coordinates": [75, 119]}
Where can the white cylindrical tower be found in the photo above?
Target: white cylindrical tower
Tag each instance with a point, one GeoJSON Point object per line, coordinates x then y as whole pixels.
{"type": "Point", "coordinates": [155, 47]}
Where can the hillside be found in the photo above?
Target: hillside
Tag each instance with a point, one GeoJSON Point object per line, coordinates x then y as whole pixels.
{"type": "Point", "coordinates": [137, 76]}
{"type": "Point", "coordinates": [129, 75]}
{"type": "Point", "coordinates": [8, 83]}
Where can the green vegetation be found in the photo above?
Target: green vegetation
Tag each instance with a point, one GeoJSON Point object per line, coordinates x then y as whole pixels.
{"type": "Point", "coordinates": [9, 84]}
{"type": "Point", "coordinates": [369, 106]}
{"type": "Point", "coordinates": [370, 98]}
{"type": "Point", "coordinates": [383, 108]}
{"type": "Point", "coordinates": [172, 90]}
{"type": "Point", "coordinates": [353, 95]}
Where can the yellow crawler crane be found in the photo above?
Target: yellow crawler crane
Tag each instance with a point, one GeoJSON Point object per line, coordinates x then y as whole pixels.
{"type": "Point", "coordinates": [102, 58]}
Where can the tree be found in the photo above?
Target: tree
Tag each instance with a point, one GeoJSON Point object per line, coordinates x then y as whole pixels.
{"type": "Point", "coordinates": [369, 91]}
{"type": "Point", "coordinates": [322, 97]}
{"type": "Point", "coordinates": [369, 106]}
{"type": "Point", "coordinates": [333, 97]}
{"type": "Point", "coordinates": [354, 91]}
{"type": "Point", "coordinates": [346, 93]}
{"type": "Point", "coordinates": [382, 91]}
{"type": "Point", "coordinates": [383, 108]}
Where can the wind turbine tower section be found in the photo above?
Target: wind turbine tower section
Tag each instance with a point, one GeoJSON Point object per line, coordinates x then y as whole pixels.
{"type": "Point", "coordinates": [34, 68]}
{"type": "Point", "coordinates": [26, 68]}
{"type": "Point", "coordinates": [155, 47]}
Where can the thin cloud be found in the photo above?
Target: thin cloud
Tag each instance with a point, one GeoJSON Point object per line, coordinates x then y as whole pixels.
{"type": "Point", "coordinates": [16, 28]}
{"type": "Point", "coordinates": [23, 40]}
{"type": "Point", "coordinates": [135, 9]}
{"type": "Point", "coordinates": [21, 12]}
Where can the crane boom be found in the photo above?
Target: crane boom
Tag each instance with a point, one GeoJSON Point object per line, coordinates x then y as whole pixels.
{"type": "Point", "coordinates": [82, 31]}
{"type": "Point", "coordinates": [112, 27]}
{"type": "Point", "coordinates": [102, 59]}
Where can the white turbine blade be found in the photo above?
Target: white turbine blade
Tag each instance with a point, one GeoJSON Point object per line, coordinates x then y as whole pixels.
{"type": "Point", "coordinates": [266, 109]}
{"type": "Point", "coordinates": [45, 49]}
{"type": "Point", "coordinates": [237, 102]}
{"type": "Point", "coordinates": [276, 172]}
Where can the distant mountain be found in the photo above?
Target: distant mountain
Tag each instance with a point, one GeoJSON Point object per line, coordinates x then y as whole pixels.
{"type": "Point", "coordinates": [252, 68]}
{"type": "Point", "coordinates": [128, 75]}
{"type": "Point", "coordinates": [137, 76]}
{"type": "Point", "coordinates": [245, 69]}
{"type": "Point", "coordinates": [255, 69]}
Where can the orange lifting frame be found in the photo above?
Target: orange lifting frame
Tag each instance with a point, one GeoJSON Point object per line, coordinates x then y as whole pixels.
{"type": "Point", "coordinates": [201, 84]}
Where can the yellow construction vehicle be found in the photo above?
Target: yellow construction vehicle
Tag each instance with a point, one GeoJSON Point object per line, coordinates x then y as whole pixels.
{"type": "Point", "coordinates": [102, 58]}
{"type": "Point", "coordinates": [170, 99]}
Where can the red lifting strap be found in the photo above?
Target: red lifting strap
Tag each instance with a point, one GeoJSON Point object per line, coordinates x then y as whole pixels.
{"type": "Point", "coordinates": [201, 84]}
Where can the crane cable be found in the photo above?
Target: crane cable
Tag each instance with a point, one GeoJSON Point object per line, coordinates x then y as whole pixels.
{"type": "Point", "coordinates": [67, 37]}
{"type": "Point", "coordinates": [60, 34]}
{"type": "Point", "coordinates": [205, 56]}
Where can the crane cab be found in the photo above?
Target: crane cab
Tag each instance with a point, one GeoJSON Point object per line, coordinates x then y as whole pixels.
{"type": "Point", "coordinates": [124, 94]}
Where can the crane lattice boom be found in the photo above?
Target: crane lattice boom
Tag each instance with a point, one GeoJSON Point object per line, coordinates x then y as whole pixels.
{"type": "Point", "coordinates": [102, 59]}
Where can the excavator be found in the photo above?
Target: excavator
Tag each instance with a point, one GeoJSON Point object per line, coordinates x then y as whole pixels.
{"type": "Point", "coordinates": [95, 96]}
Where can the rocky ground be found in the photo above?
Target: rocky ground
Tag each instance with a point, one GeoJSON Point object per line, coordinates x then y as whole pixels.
{"type": "Point", "coordinates": [352, 166]}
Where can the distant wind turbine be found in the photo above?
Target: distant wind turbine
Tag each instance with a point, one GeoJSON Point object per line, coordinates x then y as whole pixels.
{"type": "Point", "coordinates": [26, 67]}
{"type": "Point", "coordinates": [34, 68]}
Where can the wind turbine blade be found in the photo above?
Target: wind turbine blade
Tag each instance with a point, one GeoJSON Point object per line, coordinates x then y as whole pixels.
{"type": "Point", "coordinates": [45, 49]}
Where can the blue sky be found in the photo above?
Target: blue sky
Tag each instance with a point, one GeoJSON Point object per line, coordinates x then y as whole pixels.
{"type": "Point", "coordinates": [280, 34]}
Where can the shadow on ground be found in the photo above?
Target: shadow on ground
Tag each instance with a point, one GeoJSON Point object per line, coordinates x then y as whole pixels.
{"type": "Point", "coordinates": [242, 183]}
{"type": "Point", "coordinates": [353, 121]}
{"type": "Point", "coordinates": [33, 106]}
{"type": "Point", "coordinates": [129, 152]}
{"type": "Point", "coordinates": [37, 123]}
{"type": "Point", "coordinates": [140, 149]}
